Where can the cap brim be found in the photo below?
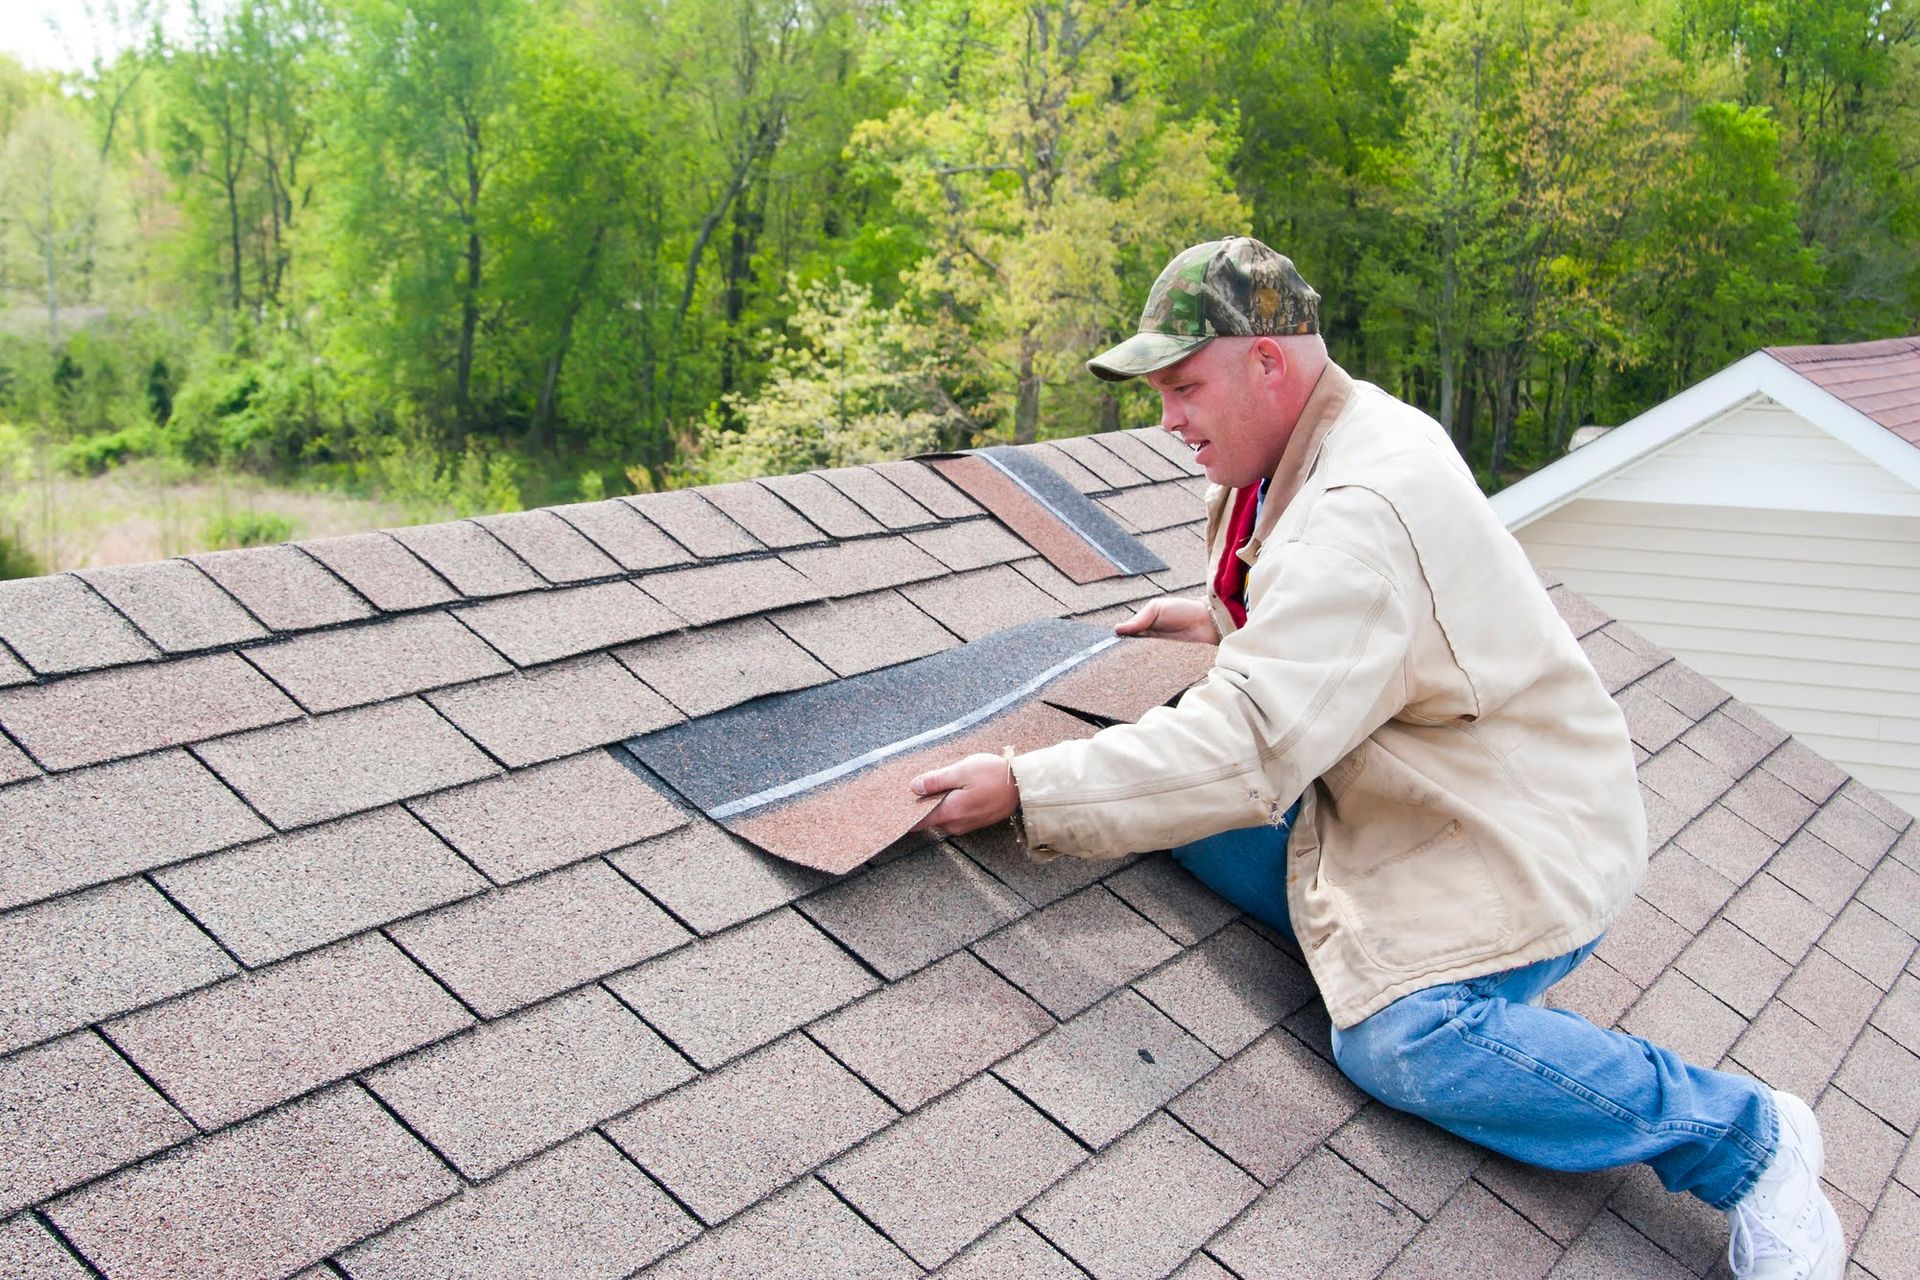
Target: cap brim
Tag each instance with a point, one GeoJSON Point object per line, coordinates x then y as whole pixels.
{"type": "Point", "coordinates": [1143, 353]}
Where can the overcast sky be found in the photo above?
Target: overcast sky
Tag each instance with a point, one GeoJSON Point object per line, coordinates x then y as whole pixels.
{"type": "Point", "coordinates": [27, 31]}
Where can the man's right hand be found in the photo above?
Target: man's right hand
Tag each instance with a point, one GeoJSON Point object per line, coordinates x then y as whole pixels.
{"type": "Point", "coordinates": [1172, 618]}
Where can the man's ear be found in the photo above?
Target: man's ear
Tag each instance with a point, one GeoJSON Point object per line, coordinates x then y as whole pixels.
{"type": "Point", "coordinates": [1272, 357]}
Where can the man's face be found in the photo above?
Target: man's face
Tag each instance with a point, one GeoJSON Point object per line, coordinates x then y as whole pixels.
{"type": "Point", "coordinates": [1218, 402]}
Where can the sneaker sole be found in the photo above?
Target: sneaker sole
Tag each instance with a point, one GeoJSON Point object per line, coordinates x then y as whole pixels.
{"type": "Point", "coordinates": [1806, 1127]}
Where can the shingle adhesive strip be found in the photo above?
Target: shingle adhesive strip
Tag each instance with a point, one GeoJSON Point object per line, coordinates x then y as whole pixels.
{"type": "Point", "coordinates": [1055, 519]}
{"type": "Point", "coordinates": [812, 775]}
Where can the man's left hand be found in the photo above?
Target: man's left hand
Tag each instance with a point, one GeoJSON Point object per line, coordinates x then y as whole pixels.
{"type": "Point", "coordinates": [979, 791]}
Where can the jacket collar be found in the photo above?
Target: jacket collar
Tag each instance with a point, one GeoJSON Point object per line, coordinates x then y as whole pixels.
{"type": "Point", "coordinates": [1322, 409]}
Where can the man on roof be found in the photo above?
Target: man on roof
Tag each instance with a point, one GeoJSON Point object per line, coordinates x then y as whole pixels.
{"type": "Point", "coordinates": [1402, 759]}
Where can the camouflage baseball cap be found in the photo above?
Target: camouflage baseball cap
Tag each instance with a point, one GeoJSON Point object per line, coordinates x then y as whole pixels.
{"type": "Point", "coordinates": [1220, 289]}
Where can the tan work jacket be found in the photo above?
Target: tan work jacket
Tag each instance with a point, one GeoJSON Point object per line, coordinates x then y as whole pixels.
{"type": "Point", "coordinates": [1470, 802]}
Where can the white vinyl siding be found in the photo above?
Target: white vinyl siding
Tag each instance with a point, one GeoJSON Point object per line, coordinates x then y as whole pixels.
{"type": "Point", "coordinates": [1810, 617]}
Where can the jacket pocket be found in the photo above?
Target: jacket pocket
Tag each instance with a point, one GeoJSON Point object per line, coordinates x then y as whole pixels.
{"type": "Point", "coordinates": [1427, 907]}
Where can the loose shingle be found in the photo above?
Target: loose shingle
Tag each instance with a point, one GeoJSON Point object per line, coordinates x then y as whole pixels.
{"type": "Point", "coordinates": [927, 487]}
{"type": "Point", "coordinates": [507, 1089]}
{"type": "Point", "coordinates": [732, 1137]}
{"type": "Point", "coordinates": [711, 880]}
{"type": "Point", "coordinates": [913, 910]}
{"type": "Point", "coordinates": [219, 1207]}
{"type": "Point", "coordinates": [915, 1039]}
{"type": "Point", "coordinates": [226, 1052]}
{"type": "Point", "coordinates": [864, 633]}
{"type": "Point", "coordinates": [716, 592]}
{"type": "Point", "coordinates": [284, 587]}
{"type": "Point", "coordinates": [1101, 1073]}
{"type": "Point", "coordinates": [1677, 1013]}
{"type": "Point", "coordinates": [730, 993]}
{"type": "Point", "coordinates": [56, 625]}
{"type": "Point", "coordinates": [1325, 1222]}
{"type": "Point", "coordinates": [1472, 1228]}
{"type": "Point", "coordinates": [81, 958]}
{"type": "Point", "coordinates": [71, 1110]}
{"type": "Point", "coordinates": [473, 560]}
{"type": "Point", "coordinates": [1420, 1165]}
{"type": "Point", "coordinates": [555, 549]}
{"type": "Point", "coordinates": [878, 497]}
{"type": "Point", "coordinates": [526, 942]}
{"type": "Point", "coordinates": [975, 604]}
{"type": "Point", "coordinates": [822, 504]}
{"type": "Point", "coordinates": [970, 544]}
{"type": "Point", "coordinates": [312, 770]}
{"type": "Point", "coordinates": [577, 1211]}
{"type": "Point", "coordinates": [555, 711]}
{"type": "Point", "coordinates": [382, 570]}
{"type": "Point", "coordinates": [331, 670]}
{"type": "Point", "coordinates": [545, 625]}
{"type": "Point", "coordinates": [536, 819]}
{"type": "Point", "coordinates": [1158, 506]}
{"type": "Point", "coordinates": [175, 604]}
{"type": "Point", "coordinates": [1270, 1106]}
{"type": "Point", "coordinates": [1084, 597]}
{"type": "Point", "coordinates": [623, 533]}
{"type": "Point", "coordinates": [1076, 951]}
{"type": "Point", "coordinates": [1230, 989]}
{"type": "Point", "coordinates": [938, 1179]}
{"type": "Point", "coordinates": [694, 524]}
{"type": "Point", "coordinates": [99, 824]}
{"type": "Point", "coordinates": [130, 710]}
{"type": "Point", "coordinates": [761, 514]}
{"type": "Point", "coordinates": [1142, 1206]}
{"type": "Point", "coordinates": [803, 1231]}
{"type": "Point", "coordinates": [871, 564]}
{"type": "Point", "coordinates": [290, 893]}
{"type": "Point", "coordinates": [27, 1252]}
{"type": "Point", "coordinates": [713, 668]}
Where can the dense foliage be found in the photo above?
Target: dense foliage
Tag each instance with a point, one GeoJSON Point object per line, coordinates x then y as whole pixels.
{"type": "Point", "coordinates": [453, 249]}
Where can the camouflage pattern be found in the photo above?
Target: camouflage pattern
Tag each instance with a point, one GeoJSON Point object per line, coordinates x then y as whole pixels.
{"type": "Point", "coordinates": [1220, 289]}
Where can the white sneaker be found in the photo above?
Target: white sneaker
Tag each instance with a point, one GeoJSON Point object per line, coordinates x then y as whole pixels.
{"type": "Point", "coordinates": [1785, 1228]}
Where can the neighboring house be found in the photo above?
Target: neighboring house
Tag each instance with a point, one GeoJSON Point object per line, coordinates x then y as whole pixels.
{"type": "Point", "coordinates": [340, 936]}
{"type": "Point", "coordinates": [1764, 525]}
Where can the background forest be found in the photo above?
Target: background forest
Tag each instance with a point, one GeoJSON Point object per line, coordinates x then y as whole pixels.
{"type": "Point", "coordinates": [306, 263]}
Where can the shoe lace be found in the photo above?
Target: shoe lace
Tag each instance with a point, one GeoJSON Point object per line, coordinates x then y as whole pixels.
{"type": "Point", "coordinates": [1750, 1240]}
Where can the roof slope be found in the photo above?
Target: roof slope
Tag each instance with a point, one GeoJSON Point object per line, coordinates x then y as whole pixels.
{"type": "Point", "coordinates": [337, 938]}
{"type": "Point", "coordinates": [1880, 379]}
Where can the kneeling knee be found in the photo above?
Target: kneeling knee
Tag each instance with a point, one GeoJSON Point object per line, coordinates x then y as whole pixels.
{"type": "Point", "coordinates": [1382, 1056]}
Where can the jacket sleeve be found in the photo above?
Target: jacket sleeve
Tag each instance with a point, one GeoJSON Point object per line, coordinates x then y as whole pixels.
{"type": "Point", "coordinates": [1320, 664]}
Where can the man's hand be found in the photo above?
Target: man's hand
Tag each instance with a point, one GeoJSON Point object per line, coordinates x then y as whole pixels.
{"type": "Point", "coordinates": [979, 792]}
{"type": "Point", "coordinates": [1172, 618]}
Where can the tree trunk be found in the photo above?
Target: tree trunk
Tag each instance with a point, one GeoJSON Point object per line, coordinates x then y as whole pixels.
{"type": "Point", "coordinates": [469, 323]}
{"type": "Point", "coordinates": [1026, 410]}
{"type": "Point", "coordinates": [539, 434]}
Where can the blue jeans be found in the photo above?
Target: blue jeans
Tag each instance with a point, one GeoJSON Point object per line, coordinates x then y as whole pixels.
{"type": "Point", "coordinates": [1544, 1086]}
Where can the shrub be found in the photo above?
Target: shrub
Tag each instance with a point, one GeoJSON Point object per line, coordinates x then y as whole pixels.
{"type": "Point", "coordinates": [246, 529]}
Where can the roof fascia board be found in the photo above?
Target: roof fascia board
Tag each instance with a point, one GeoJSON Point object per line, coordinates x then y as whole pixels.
{"type": "Point", "coordinates": [1841, 420]}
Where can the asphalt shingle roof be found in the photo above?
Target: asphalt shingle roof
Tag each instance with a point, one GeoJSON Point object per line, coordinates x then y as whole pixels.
{"type": "Point", "coordinates": [339, 937]}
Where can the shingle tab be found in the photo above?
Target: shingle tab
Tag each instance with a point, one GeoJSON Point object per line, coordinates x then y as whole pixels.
{"type": "Point", "coordinates": [1788, 1052]}
{"type": "Point", "coordinates": [1684, 888]}
{"type": "Point", "coordinates": [1067, 469]}
{"type": "Point", "coordinates": [936, 1180]}
{"type": "Point", "coordinates": [1861, 1148]}
{"type": "Point", "coordinates": [1852, 830]}
{"type": "Point", "coordinates": [379, 568]}
{"type": "Point", "coordinates": [864, 633]}
{"type": "Point", "coordinates": [1723, 740]}
{"type": "Point", "coordinates": [623, 533]}
{"type": "Point", "coordinates": [1727, 843]}
{"type": "Point", "coordinates": [1103, 1072]}
{"type": "Point", "coordinates": [546, 625]}
{"type": "Point", "coordinates": [1076, 950]}
{"type": "Point", "coordinates": [975, 604]}
{"type": "Point", "coordinates": [312, 770]}
{"type": "Point", "coordinates": [1677, 1013]}
{"type": "Point", "coordinates": [1817, 871]}
{"type": "Point", "coordinates": [176, 605]}
{"type": "Point", "coordinates": [219, 1207]}
{"type": "Point", "coordinates": [761, 514]}
{"type": "Point", "coordinates": [1733, 968]}
{"type": "Point", "coordinates": [99, 824]}
{"type": "Point", "coordinates": [1143, 1205]}
{"type": "Point", "coordinates": [84, 957]}
{"type": "Point", "coordinates": [1084, 597]}
{"type": "Point", "coordinates": [284, 587]}
{"type": "Point", "coordinates": [803, 1231]}
{"type": "Point", "coordinates": [510, 1088]}
{"type": "Point", "coordinates": [473, 560]}
{"type": "Point", "coordinates": [1879, 1074]}
{"type": "Point", "coordinates": [998, 850]}
{"type": "Point", "coordinates": [71, 1110]}
{"type": "Point", "coordinates": [823, 505]}
{"type": "Point", "coordinates": [536, 819]}
{"type": "Point", "coordinates": [520, 944]}
{"type": "Point", "coordinates": [870, 564]}
{"type": "Point", "coordinates": [713, 668]}
{"type": "Point", "coordinates": [1168, 446]}
{"type": "Point", "coordinates": [1805, 770]}
{"type": "Point", "coordinates": [716, 592]}
{"type": "Point", "coordinates": [1325, 1221]}
{"type": "Point", "coordinates": [1870, 944]}
{"type": "Point", "coordinates": [1009, 1250]}
{"type": "Point", "coordinates": [1560, 1204]}
{"type": "Point", "coordinates": [577, 1211]}
{"type": "Point", "coordinates": [1421, 1165]}
{"type": "Point", "coordinates": [290, 893]}
{"type": "Point", "coordinates": [331, 670]}
{"type": "Point", "coordinates": [1777, 918]}
{"type": "Point", "coordinates": [1473, 1227]}
{"type": "Point", "coordinates": [1148, 461]}
{"type": "Point", "coordinates": [1185, 555]}
{"type": "Point", "coordinates": [1168, 894]}
{"type": "Point", "coordinates": [56, 625]}
{"type": "Point", "coordinates": [915, 1039]}
{"type": "Point", "coordinates": [14, 764]}
{"type": "Point", "coordinates": [226, 1052]}
{"type": "Point", "coordinates": [970, 544]}
{"type": "Point", "coordinates": [1112, 470]}
{"type": "Point", "coordinates": [929, 488]}
{"type": "Point", "coordinates": [730, 993]}
{"type": "Point", "coordinates": [694, 524]}
{"type": "Point", "coordinates": [1768, 804]}
{"type": "Point", "coordinates": [1152, 507]}
{"type": "Point", "coordinates": [711, 880]}
{"type": "Point", "coordinates": [555, 711]}
{"type": "Point", "coordinates": [1894, 892]}
{"type": "Point", "coordinates": [731, 1137]}
{"type": "Point", "coordinates": [553, 548]}
{"type": "Point", "coordinates": [1230, 989]}
{"type": "Point", "coordinates": [913, 910]}
{"type": "Point", "coordinates": [27, 1252]}
{"type": "Point", "coordinates": [878, 497]}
